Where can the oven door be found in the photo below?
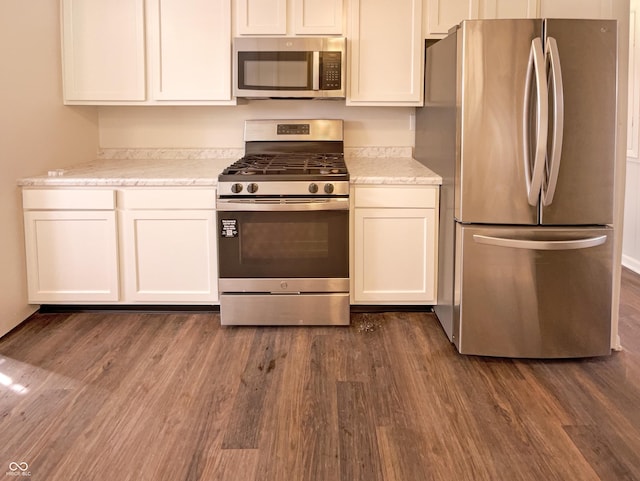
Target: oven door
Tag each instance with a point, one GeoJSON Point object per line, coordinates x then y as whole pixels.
{"type": "Point", "coordinates": [283, 240]}
{"type": "Point", "coordinates": [283, 262]}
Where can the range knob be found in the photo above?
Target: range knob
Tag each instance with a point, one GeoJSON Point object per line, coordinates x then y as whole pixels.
{"type": "Point", "coordinates": [313, 188]}
{"type": "Point", "coordinates": [328, 188]}
{"type": "Point", "coordinates": [252, 188]}
{"type": "Point", "coordinates": [236, 188]}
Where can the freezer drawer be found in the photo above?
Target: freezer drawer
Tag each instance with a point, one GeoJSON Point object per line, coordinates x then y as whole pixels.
{"type": "Point", "coordinates": [537, 292]}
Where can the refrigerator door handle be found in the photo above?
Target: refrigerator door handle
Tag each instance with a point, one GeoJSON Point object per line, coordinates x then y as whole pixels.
{"type": "Point", "coordinates": [536, 68]}
{"type": "Point", "coordinates": [548, 245]}
{"type": "Point", "coordinates": [555, 80]}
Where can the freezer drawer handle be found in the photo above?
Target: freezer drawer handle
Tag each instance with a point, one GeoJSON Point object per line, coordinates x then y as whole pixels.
{"type": "Point", "coordinates": [550, 245]}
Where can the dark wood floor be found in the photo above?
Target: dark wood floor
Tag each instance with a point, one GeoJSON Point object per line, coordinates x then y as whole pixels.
{"type": "Point", "coordinates": [173, 396]}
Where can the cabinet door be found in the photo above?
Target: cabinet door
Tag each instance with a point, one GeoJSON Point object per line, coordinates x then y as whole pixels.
{"type": "Point", "coordinates": [385, 53]}
{"type": "Point", "coordinates": [508, 8]}
{"type": "Point", "coordinates": [169, 256]}
{"type": "Point", "coordinates": [394, 255]}
{"type": "Point", "coordinates": [190, 49]}
{"type": "Point", "coordinates": [576, 8]}
{"type": "Point", "coordinates": [317, 17]}
{"type": "Point", "coordinates": [262, 17]}
{"type": "Point", "coordinates": [103, 50]}
{"type": "Point", "coordinates": [72, 256]}
{"type": "Point", "coordinates": [441, 15]}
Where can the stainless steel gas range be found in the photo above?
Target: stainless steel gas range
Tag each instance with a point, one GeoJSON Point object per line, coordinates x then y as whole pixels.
{"type": "Point", "coordinates": [283, 226]}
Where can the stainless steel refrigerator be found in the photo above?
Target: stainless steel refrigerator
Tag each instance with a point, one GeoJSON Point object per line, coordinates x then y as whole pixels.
{"type": "Point", "coordinates": [520, 121]}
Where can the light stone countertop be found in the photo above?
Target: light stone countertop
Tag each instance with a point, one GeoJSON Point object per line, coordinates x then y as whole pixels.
{"type": "Point", "coordinates": [151, 171]}
{"type": "Point", "coordinates": [133, 172]}
{"type": "Point", "coordinates": [390, 170]}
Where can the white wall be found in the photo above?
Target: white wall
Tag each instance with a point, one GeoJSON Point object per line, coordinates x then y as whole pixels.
{"type": "Point", "coordinates": [631, 238]}
{"type": "Point", "coordinates": [36, 131]}
{"type": "Point", "coordinates": [221, 127]}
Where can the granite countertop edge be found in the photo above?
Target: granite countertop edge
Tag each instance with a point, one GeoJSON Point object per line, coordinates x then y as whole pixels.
{"type": "Point", "coordinates": [204, 173]}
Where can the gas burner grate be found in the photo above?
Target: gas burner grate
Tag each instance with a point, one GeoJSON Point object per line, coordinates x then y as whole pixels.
{"type": "Point", "coordinates": [289, 163]}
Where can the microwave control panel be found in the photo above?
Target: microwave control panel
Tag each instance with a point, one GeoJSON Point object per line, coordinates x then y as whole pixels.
{"type": "Point", "coordinates": [330, 71]}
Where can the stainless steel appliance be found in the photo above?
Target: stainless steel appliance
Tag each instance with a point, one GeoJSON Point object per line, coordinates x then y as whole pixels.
{"type": "Point", "coordinates": [283, 220]}
{"type": "Point", "coordinates": [289, 67]}
{"type": "Point", "coordinates": [520, 121]}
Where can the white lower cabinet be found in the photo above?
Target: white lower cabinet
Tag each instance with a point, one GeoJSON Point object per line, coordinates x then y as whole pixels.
{"type": "Point", "coordinates": [168, 244]}
{"type": "Point", "coordinates": [126, 246]}
{"type": "Point", "coordinates": [395, 244]}
{"type": "Point", "coordinates": [71, 246]}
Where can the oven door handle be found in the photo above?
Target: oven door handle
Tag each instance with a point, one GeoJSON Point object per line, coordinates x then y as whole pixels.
{"type": "Point", "coordinates": [282, 205]}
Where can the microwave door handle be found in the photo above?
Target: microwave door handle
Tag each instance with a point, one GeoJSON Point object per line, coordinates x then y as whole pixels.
{"type": "Point", "coordinates": [316, 71]}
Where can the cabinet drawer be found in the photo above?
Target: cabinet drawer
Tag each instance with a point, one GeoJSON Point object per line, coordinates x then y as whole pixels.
{"type": "Point", "coordinates": [398, 196]}
{"type": "Point", "coordinates": [191, 198]}
{"type": "Point", "coordinates": [68, 199]}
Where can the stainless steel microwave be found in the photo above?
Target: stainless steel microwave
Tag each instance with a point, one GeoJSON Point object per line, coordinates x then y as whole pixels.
{"type": "Point", "coordinates": [289, 67]}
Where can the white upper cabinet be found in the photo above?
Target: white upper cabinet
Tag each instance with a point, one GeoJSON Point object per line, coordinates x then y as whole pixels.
{"type": "Point", "coordinates": [262, 17]}
{"type": "Point", "coordinates": [292, 17]}
{"type": "Point", "coordinates": [441, 15]}
{"type": "Point", "coordinates": [189, 49]}
{"type": "Point", "coordinates": [187, 56]}
{"type": "Point", "coordinates": [103, 50]}
{"type": "Point", "coordinates": [508, 8]}
{"type": "Point", "coordinates": [576, 8]}
{"type": "Point", "coordinates": [385, 53]}
{"type": "Point", "coordinates": [318, 17]}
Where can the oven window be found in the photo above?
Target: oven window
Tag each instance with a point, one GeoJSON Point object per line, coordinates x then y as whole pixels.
{"type": "Point", "coordinates": [283, 244]}
{"type": "Point", "coordinates": [262, 241]}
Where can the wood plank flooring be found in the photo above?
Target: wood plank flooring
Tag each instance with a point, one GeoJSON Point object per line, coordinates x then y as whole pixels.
{"type": "Point", "coordinates": [173, 396]}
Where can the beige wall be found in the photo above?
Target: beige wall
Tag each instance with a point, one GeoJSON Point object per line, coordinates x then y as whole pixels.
{"type": "Point", "coordinates": [213, 127]}
{"type": "Point", "coordinates": [36, 131]}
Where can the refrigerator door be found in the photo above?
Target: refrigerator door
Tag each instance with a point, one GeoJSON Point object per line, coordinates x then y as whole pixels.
{"type": "Point", "coordinates": [538, 292]}
{"type": "Point", "coordinates": [587, 57]}
{"type": "Point", "coordinates": [492, 76]}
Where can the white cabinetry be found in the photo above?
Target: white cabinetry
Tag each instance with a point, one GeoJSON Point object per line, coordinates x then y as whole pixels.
{"type": "Point", "coordinates": [576, 8]}
{"type": "Point", "coordinates": [103, 55]}
{"type": "Point", "coordinates": [189, 49]}
{"type": "Point", "coordinates": [127, 246]}
{"type": "Point", "coordinates": [395, 244]}
{"type": "Point", "coordinates": [507, 8]}
{"type": "Point", "coordinates": [295, 17]}
{"type": "Point", "coordinates": [441, 15]}
{"type": "Point", "coordinates": [168, 243]}
{"type": "Point", "coordinates": [71, 246]}
{"type": "Point", "coordinates": [386, 53]}
{"type": "Point", "coordinates": [187, 55]}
